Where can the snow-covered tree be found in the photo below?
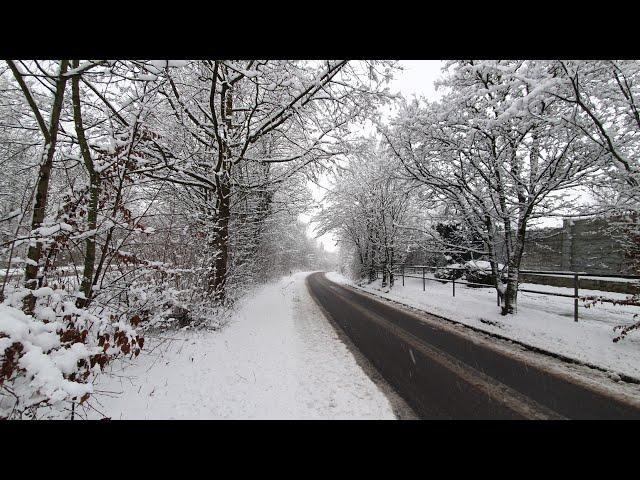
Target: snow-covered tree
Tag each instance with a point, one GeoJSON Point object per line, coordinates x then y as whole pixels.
{"type": "Point", "coordinates": [365, 207]}
{"type": "Point", "coordinates": [495, 155]}
{"type": "Point", "coordinates": [242, 116]}
{"type": "Point", "coordinates": [138, 189]}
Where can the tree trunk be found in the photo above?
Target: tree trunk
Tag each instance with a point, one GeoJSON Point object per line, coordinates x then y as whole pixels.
{"type": "Point", "coordinates": [385, 273]}
{"type": "Point", "coordinates": [513, 274]}
{"type": "Point", "coordinates": [511, 294]}
{"type": "Point", "coordinates": [42, 190]}
{"type": "Point", "coordinates": [513, 265]}
{"type": "Point", "coordinates": [372, 263]}
{"type": "Point", "coordinates": [217, 284]}
{"type": "Point", "coordinates": [94, 193]}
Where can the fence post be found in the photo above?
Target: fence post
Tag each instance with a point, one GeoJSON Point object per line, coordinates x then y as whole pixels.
{"type": "Point", "coordinates": [575, 294]}
{"type": "Point", "coordinates": [454, 287]}
{"type": "Point", "coordinates": [423, 280]}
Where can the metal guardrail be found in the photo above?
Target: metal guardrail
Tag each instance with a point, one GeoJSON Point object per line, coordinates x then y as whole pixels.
{"type": "Point", "coordinates": [576, 283]}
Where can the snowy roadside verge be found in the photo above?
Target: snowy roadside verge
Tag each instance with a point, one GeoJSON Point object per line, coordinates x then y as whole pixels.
{"type": "Point", "coordinates": [540, 323]}
{"type": "Point", "coordinates": [277, 358]}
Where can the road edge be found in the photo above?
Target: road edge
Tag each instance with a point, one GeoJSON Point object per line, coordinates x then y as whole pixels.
{"type": "Point", "coordinates": [581, 373]}
{"type": "Point", "coordinates": [623, 376]}
{"type": "Point", "coordinates": [401, 409]}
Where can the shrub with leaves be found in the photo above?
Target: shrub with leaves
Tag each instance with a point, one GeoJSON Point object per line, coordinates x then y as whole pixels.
{"type": "Point", "coordinates": [50, 359]}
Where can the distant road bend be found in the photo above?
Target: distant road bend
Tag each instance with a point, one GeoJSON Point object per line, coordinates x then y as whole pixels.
{"type": "Point", "coordinates": [442, 373]}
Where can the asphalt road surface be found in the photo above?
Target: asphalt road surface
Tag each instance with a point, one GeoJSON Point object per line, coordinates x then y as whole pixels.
{"type": "Point", "coordinates": [443, 374]}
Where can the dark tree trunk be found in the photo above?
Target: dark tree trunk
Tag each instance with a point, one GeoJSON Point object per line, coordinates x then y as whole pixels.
{"type": "Point", "coordinates": [42, 189]}
{"type": "Point", "coordinates": [511, 293]}
{"type": "Point", "coordinates": [94, 192]}
{"type": "Point", "coordinates": [217, 284]}
{"type": "Point", "coordinates": [513, 271]}
{"type": "Point", "coordinates": [385, 274]}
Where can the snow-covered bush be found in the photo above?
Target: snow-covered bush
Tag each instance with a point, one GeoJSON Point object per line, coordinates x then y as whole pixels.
{"type": "Point", "coordinates": [474, 271]}
{"type": "Point", "coordinates": [48, 360]}
{"type": "Point", "coordinates": [479, 271]}
{"type": "Point", "coordinates": [450, 272]}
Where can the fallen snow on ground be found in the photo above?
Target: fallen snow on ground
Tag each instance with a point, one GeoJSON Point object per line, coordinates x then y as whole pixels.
{"type": "Point", "coordinates": [541, 321]}
{"type": "Point", "coordinates": [277, 358]}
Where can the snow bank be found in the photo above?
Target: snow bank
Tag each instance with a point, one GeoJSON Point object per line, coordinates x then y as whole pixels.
{"type": "Point", "coordinates": [278, 358]}
{"type": "Point", "coordinates": [42, 359]}
{"type": "Point", "coordinates": [50, 358]}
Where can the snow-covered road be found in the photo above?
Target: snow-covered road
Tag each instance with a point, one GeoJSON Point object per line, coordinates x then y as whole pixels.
{"type": "Point", "coordinates": [278, 358]}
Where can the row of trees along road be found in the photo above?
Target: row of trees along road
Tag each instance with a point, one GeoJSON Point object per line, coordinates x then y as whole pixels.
{"type": "Point", "coordinates": [137, 191]}
{"type": "Point", "coordinates": [509, 143]}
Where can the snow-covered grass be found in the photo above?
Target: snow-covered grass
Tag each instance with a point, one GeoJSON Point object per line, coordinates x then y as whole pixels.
{"type": "Point", "coordinates": [541, 321]}
{"type": "Point", "coordinates": [277, 358]}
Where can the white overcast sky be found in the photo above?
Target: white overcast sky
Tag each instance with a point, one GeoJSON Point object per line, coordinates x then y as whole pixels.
{"type": "Point", "coordinates": [416, 79]}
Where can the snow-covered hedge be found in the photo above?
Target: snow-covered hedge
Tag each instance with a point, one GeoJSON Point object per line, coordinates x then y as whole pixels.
{"type": "Point", "coordinates": [479, 271]}
{"type": "Point", "coordinates": [451, 272]}
{"type": "Point", "coordinates": [50, 359]}
{"type": "Point", "coordinates": [475, 271]}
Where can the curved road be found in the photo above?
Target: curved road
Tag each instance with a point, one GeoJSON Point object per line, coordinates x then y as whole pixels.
{"type": "Point", "coordinates": [443, 373]}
